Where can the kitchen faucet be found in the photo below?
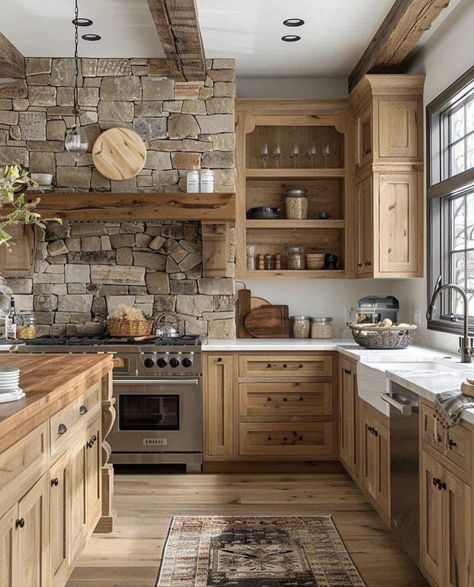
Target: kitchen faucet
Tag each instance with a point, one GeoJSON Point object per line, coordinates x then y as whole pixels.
{"type": "Point", "coordinates": [465, 342]}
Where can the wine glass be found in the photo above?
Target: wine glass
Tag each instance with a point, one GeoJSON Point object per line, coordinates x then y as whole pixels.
{"type": "Point", "coordinates": [326, 154]}
{"type": "Point", "coordinates": [295, 153]}
{"type": "Point", "coordinates": [264, 155]}
{"type": "Point", "coordinates": [312, 154]}
{"type": "Point", "coordinates": [277, 155]}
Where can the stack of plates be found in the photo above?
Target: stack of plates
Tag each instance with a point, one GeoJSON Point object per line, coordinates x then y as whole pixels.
{"type": "Point", "coordinates": [10, 384]}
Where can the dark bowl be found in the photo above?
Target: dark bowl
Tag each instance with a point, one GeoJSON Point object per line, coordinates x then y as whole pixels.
{"type": "Point", "coordinates": [263, 213]}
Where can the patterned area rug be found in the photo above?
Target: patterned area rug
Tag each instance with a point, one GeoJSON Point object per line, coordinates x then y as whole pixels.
{"type": "Point", "coordinates": [221, 551]}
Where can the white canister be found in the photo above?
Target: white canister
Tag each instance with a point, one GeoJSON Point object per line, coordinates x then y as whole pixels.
{"type": "Point", "coordinates": [207, 181]}
{"type": "Point", "coordinates": [192, 182]}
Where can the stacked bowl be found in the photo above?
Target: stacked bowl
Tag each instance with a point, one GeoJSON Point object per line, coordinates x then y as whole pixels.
{"type": "Point", "coordinates": [10, 384]}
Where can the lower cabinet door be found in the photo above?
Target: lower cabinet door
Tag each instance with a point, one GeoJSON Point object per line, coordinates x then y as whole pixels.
{"type": "Point", "coordinates": [219, 406]}
{"type": "Point", "coordinates": [59, 510]}
{"type": "Point", "coordinates": [431, 518]}
{"type": "Point", "coordinates": [382, 439]}
{"type": "Point", "coordinates": [77, 521]}
{"type": "Point", "coordinates": [9, 547]}
{"type": "Point", "coordinates": [368, 449]}
{"type": "Point", "coordinates": [457, 530]}
{"type": "Point", "coordinates": [33, 536]}
{"type": "Point", "coordinates": [93, 473]}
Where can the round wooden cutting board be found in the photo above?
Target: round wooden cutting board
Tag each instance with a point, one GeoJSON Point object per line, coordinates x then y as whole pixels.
{"type": "Point", "coordinates": [119, 154]}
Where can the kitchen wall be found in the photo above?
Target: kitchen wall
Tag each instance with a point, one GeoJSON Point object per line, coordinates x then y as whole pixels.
{"type": "Point", "coordinates": [445, 57]}
{"type": "Point", "coordinates": [292, 88]}
{"type": "Point", "coordinates": [84, 270]}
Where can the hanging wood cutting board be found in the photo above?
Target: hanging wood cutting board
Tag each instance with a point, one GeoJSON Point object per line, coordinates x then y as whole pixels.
{"type": "Point", "coordinates": [268, 322]}
{"type": "Point", "coordinates": [119, 154]}
{"type": "Point", "coordinates": [244, 305]}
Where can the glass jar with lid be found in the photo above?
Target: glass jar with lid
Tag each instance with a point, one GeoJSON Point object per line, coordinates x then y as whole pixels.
{"type": "Point", "coordinates": [295, 258]}
{"type": "Point", "coordinates": [25, 326]}
{"type": "Point", "coordinates": [301, 326]}
{"type": "Point", "coordinates": [296, 204]}
{"type": "Point", "coordinates": [321, 327]}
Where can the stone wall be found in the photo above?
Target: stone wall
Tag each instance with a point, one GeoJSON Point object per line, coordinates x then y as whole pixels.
{"type": "Point", "coordinates": [186, 125]}
{"type": "Point", "coordinates": [84, 270]}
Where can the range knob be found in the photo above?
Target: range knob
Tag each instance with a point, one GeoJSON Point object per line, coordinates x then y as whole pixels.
{"type": "Point", "coordinates": [174, 362]}
{"type": "Point", "coordinates": [187, 362]}
{"type": "Point", "coordinates": [161, 362]}
{"type": "Point", "coordinates": [149, 363]}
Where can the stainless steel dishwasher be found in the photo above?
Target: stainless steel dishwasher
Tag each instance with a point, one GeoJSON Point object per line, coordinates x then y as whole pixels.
{"type": "Point", "coordinates": [404, 467]}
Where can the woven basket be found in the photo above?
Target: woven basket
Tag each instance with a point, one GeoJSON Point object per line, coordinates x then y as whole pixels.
{"type": "Point", "coordinates": [372, 336]}
{"type": "Point", "coordinates": [127, 328]}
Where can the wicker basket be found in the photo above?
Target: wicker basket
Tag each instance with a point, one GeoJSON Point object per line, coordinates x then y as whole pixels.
{"type": "Point", "coordinates": [127, 328]}
{"type": "Point", "coordinates": [372, 336]}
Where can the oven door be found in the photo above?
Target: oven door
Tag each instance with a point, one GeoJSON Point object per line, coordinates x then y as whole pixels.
{"type": "Point", "coordinates": [157, 416]}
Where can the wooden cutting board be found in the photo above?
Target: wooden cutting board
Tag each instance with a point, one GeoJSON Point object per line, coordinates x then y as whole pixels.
{"type": "Point", "coordinates": [244, 305]}
{"type": "Point", "coordinates": [119, 154]}
{"type": "Point", "coordinates": [268, 322]}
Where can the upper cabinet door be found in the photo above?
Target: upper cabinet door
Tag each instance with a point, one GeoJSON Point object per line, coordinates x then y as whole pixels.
{"type": "Point", "coordinates": [17, 259]}
{"type": "Point", "coordinates": [364, 146]}
{"type": "Point", "coordinates": [400, 224]}
{"type": "Point", "coordinates": [399, 129]}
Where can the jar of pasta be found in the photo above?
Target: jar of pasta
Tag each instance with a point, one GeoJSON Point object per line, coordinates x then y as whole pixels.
{"type": "Point", "coordinates": [295, 258]}
{"type": "Point", "coordinates": [321, 327]}
{"type": "Point", "coordinates": [301, 326]}
{"type": "Point", "coordinates": [25, 326]}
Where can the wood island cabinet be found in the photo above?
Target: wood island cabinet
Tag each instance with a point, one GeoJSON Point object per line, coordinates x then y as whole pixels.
{"type": "Point", "coordinates": [348, 416]}
{"type": "Point", "coordinates": [389, 199]}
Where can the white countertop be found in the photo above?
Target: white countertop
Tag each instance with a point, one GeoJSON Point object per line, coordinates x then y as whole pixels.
{"type": "Point", "coordinates": [446, 375]}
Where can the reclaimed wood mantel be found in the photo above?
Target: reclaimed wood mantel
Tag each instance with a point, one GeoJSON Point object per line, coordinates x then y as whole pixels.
{"type": "Point", "coordinates": [213, 207]}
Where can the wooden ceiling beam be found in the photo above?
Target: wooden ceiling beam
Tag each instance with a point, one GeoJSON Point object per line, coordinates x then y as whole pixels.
{"type": "Point", "coordinates": [178, 28]}
{"type": "Point", "coordinates": [397, 36]}
{"type": "Point", "coordinates": [12, 62]}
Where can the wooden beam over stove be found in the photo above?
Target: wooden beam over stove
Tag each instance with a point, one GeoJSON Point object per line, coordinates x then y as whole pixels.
{"type": "Point", "coordinates": [12, 62]}
{"type": "Point", "coordinates": [178, 28]}
{"type": "Point", "coordinates": [397, 36]}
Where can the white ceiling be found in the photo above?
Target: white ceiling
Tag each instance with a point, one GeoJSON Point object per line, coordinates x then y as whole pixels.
{"type": "Point", "coordinates": [334, 37]}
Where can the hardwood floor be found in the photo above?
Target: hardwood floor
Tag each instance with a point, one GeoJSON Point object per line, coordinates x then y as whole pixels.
{"type": "Point", "coordinates": [145, 504]}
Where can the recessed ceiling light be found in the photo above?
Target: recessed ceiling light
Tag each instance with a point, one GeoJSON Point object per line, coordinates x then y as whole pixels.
{"type": "Point", "coordinates": [82, 22]}
{"type": "Point", "coordinates": [293, 22]}
{"type": "Point", "coordinates": [291, 38]}
{"type": "Point", "coordinates": [91, 37]}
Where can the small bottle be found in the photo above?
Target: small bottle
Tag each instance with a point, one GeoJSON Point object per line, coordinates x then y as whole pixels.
{"type": "Point", "coordinates": [277, 261]}
{"type": "Point", "coordinates": [192, 182]}
{"type": "Point", "coordinates": [10, 326]}
{"type": "Point", "coordinates": [207, 181]}
{"type": "Point", "coordinates": [269, 262]}
{"type": "Point", "coordinates": [261, 262]}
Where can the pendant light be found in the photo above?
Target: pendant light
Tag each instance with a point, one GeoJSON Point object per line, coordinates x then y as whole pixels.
{"type": "Point", "coordinates": [76, 141]}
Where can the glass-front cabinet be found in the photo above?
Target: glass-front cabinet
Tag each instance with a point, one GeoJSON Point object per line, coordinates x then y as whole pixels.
{"type": "Point", "coordinates": [294, 162]}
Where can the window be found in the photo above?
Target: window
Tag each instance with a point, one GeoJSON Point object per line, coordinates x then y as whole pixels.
{"type": "Point", "coordinates": [450, 156]}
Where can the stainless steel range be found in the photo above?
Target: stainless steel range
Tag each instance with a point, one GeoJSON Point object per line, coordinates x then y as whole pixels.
{"type": "Point", "coordinates": [158, 390]}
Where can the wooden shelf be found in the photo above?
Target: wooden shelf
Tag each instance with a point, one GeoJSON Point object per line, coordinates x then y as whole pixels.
{"type": "Point", "coordinates": [304, 224]}
{"type": "Point", "coordinates": [295, 173]}
{"type": "Point", "coordinates": [214, 207]}
{"type": "Point", "coordinates": [289, 274]}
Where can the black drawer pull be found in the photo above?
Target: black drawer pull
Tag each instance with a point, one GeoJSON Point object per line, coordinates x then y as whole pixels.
{"type": "Point", "coordinates": [285, 399]}
{"type": "Point", "coordinates": [301, 399]}
{"type": "Point", "coordinates": [20, 523]}
{"type": "Point", "coordinates": [285, 366]}
{"type": "Point", "coordinates": [285, 439]}
{"type": "Point", "coordinates": [452, 444]}
{"type": "Point", "coordinates": [360, 264]}
{"type": "Point", "coordinates": [367, 151]}
{"type": "Point", "coordinates": [62, 429]}
{"type": "Point", "coordinates": [347, 371]}
{"type": "Point", "coordinates": [219, 360]}
{"type": "Point", "coordinates": [83, 410]}
{"type": "Point", "coordinates": [443, 485]}
{"type": "Point", "coordinates": [269, 399]}
{"type": "Point", "coordinates": [269, 366]}
{"type": "Point", "coordinates": [376, 433]}
{"type": "Point", "coordinates": [54, 482]}
{"type": "Point", "coordinates": [300, 366]}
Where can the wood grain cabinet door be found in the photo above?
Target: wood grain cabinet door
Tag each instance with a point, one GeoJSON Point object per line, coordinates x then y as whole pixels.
{"type": "Point", "coordinates": [398, 129]}
{"type": "Point", "coordinates": [9, 548]}
{"type": "Point", "coordinates": [347, 424]}
{"type": "Point", "coordinates": [59, 510]}
{"type": "Point", "coordinates": [93, 472]}
{"type": "Point", "coordinates": [431, 518]}
{"type": "Point", "coordinates": [382, 440]}
{"type": "Point", "coordinates": [219, 406]}
{"type": "Point", "coordinates": [77, 522]}
{"type": "Point", "coordinates": [365, 228]}
{"type": "Point", "coordinates": [400, 226]}
{"type": "Point", "coordinates": [368, 454]}
{"type": "Point", "coordinates": [364, 137]}
{"type": "Point", "coordinates": [457, 530]}
{"type": "Point", "coordinates": [33, 536]}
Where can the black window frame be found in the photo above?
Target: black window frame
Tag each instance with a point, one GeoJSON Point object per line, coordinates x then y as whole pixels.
{"type": "Point", "coordinates": [440, 189]}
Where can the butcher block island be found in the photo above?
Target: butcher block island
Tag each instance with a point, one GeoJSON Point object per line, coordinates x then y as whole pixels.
{"type": "Point", "coordinates": [53, 466]}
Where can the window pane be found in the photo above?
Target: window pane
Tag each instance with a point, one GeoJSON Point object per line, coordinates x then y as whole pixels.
{"type": "Point", "coordinates": [470, 271]}
{"type": "Point", "coordinates": [470, 116]}
{"type": "Point", "coordinates": [458, 217]}
{"type": "Point", "coordinates": [456, 125]}
{"type": "Point", "coordinates": [470, 152]}
{"type": "Point", "coordinates": [470, 221]}
{"type": "Point", "coordinates": [457, 158]}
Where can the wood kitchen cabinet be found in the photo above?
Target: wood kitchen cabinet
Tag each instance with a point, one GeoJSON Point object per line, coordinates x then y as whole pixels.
{"type": "Point", "coordinates": [348, 416]}
{"type": "Point", "coordinates": [389, 200]}
{"type": "Point", "coordinates": [59, 509]}
{"type": "Point", "coordinates": [375, 457]}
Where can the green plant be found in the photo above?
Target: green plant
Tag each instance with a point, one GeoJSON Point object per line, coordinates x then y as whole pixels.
{"type": "Point", "coordinates": [14, 208]}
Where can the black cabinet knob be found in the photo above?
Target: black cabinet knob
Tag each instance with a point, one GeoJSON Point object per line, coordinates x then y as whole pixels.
{"type": "Point", "coordinates": [62, 429]}
{"type": "Point", "coordinates": [285, 399]}
{"type": "Point", "coordinates": [269, 399]}
{"type": "Point", "coordinates": [452, 444]}
{"type": "Point", "coordinates": [20, 523]}
{"type": "Point", "coordinates": [54, 482]}
{"type": "Point", "coordinates": [82, 410]}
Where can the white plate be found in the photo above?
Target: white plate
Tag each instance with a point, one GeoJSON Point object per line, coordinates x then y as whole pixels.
{"type": "Point", "coordinates": [12, 396]}
{"type": "Point", "coordinates": [12, 389]}
{"type": "Point", "coordinates": [9, 370]}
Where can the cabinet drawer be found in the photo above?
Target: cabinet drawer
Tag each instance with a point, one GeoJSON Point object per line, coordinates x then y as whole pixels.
{"type": "Point", "coordinates": [286, 440]}
{"type": "Point", "coordinates": [455, 444]}
{"type": "Point", "coordinates": [65, 422]}
{"type": "Point", "coordinates": [285, 399]}
{"type": "Point", "coordinates": [293, 366]}
{"type": "Point", "coordinates": [25, 456]}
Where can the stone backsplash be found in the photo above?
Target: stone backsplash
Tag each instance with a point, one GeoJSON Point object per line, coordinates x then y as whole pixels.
{"type": "Point", "coordinates": [185, 125]}
{"type": "Point", "coordinates": [84, 270]}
